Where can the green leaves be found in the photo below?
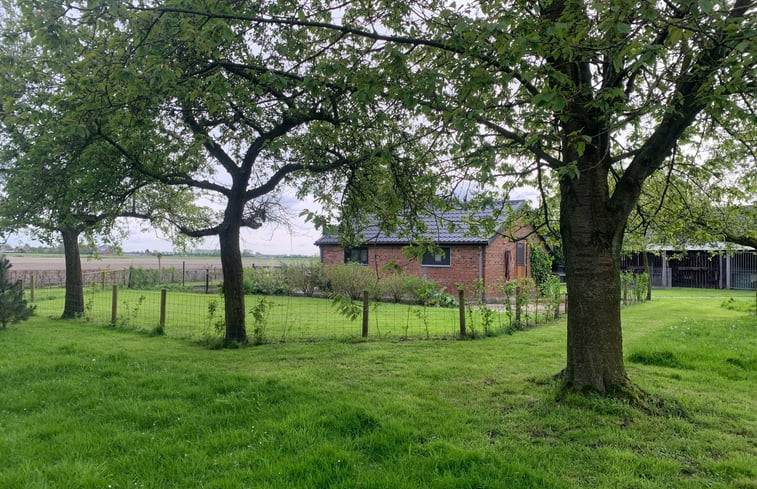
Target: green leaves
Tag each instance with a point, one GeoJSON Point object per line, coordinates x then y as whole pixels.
{"type": "Point", "coordinates": [553, 101]}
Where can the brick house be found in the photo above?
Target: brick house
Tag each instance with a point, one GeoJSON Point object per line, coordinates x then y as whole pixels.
{"type": "Point", "coordinates": [463, 257]}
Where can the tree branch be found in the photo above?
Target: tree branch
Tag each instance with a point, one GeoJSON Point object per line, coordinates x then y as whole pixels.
{"type": "Point", "coordinates": [346, 30]}
{"type": "Point", "coordinates": [536, 149]}
{"type": "Point", "coordinates": [688, 99]}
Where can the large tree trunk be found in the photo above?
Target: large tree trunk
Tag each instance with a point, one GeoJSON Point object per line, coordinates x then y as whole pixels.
{"type": "Point", "coordinates": [74, 302]}
{"type": "Point", "coordinates": [233, 283]}
{"type": "Point", "coordinates": [592, 240]}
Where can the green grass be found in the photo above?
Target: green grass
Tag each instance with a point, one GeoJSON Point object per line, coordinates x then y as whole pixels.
{"type": "Point", "coordinates": [97, 407]}
{"type": "Point", "coordinates": [703, 293]}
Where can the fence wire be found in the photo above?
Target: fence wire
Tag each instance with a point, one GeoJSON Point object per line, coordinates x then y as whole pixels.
{"type": "Point", "coordinates": [191, 313]}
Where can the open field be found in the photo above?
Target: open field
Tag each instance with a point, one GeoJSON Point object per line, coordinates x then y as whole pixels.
{"type": "Point", "coordinates": [33, 262]}
{"type": "Point", "coordinates": [96, 407]}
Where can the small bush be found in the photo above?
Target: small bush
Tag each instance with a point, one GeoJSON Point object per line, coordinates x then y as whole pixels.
{"type": "Point", "coordinates": [351, 280]}
{"type": "Point", "coordinates": [13, 306]}
{"type": "Point", "coordinates": [394, 287]}
{"type": "Point", "coordinates": [541, 265]}
{"type": "Point", "coordinates": [260, 312]}
{"type": "Point", "coordinates": [143, 278]}
{"type": "Point", "coordinates": [305, 277]}
{"type": "Point", "coordinates": [634, 287]}
{"type": "Point", "coordinates": [265, 281]}
{"type": "Point", "coordinates": [429, 293]}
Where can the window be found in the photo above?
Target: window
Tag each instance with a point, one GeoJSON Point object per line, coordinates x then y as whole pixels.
{"type": "Point", "coordinates": [520, 254]}
{"type": "Point", "coordinates": [439, 258]}
{"type": "Point", "coordinates": [356, 255]}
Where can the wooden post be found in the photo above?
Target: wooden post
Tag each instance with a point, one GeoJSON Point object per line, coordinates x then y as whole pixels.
{"type": "Point", "coordinates": [207, 280]}
{"type": "Point", "coordinates": [366, 308]}
{"type": "Point", "coordinates": [183, 271]}
{"type": "Point", "coordinates": [31, 288]}
{"type": "Point", "coordinates": [461, 302]}
{"type": "Point", "coordinates": [163, 308]}
{"type": "Point", "coordinates": [102, 279]}
{"type": "Point", "coordinates": [114, 305]}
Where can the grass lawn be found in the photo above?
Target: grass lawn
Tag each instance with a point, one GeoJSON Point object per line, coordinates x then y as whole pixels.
{"type": "Point", "coordinates": [97, 407]}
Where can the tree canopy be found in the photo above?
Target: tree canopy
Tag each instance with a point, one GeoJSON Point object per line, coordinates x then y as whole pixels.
{"type": "Point", "coordinates": [590, 99]}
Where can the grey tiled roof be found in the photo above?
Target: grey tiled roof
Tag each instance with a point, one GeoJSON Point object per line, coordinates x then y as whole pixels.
{"type": "Point", "coordinates": [437, 230]}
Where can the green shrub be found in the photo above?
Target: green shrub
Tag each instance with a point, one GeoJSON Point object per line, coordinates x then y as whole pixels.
{"type": "Point", "coordinates": [541, 265]}
{"type": "Point", "coordinates": [305, 277]}
{"type": "Point", "coordinates": [260, 312]}
{"type": "Point", "coordinates": [351, 280]}
{"type": "Point", "coordinates": [398, 288]}
{"type": "Point", "coordinates": [633, 286]}
{"type": "Point", "coordinates": [13, 306]}
{"type": "Point", "coordinates": [393, 287]}
{"type": "Point", "coordinates": [517, 293]}
{"type": "Point", "coordinates": [552, 292]}
{"type": "Point", "coordinates": [430, 293]}
{"type": "Point", "coordinates": [265, 281]}
{"type": "Point", "coordinates": [640, 286]}
{"type": "Point", "coordinates": [143, 278]}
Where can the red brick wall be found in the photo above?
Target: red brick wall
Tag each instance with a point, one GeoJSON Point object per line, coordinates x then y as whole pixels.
{"type": "Point", "coordinates": [464, 261]}
{"type": "Point", "coordinates": [494, 267]}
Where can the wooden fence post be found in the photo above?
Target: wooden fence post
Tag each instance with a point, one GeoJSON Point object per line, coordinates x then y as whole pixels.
{"type": "Point", "coordinates": [114, 305]}
{"type": "Point", "coordinates": [207, 280]}
{"type": "Point", "coordinates": [163, 308]}
{"type": "Point", "coordinates": [31, 288]}
{"type": "Point", "coordinates": [183, 271]}
{"type": "Point", "coordinates": [102, 279]}
{"type": "Point", "coordinates": [366, 308]}
{"type": "Point", "coordinates": [461, 302]}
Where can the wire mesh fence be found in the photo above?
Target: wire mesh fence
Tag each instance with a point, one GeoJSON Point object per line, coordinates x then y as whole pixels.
{"type": "Point", "coordinates": [190, 313]}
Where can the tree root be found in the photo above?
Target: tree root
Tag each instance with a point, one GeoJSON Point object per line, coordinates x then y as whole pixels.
{"type": "Point", "coordinates": [627, 392]}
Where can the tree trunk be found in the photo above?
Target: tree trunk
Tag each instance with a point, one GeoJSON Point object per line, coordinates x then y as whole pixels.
{"type": "Point", "coordinates": [74, 302]}
{"type": "Point", "coordinates": [645, 258]}
{"type": "Point", "coordinates": [233, 284]}
{"type": "Point", "coordinates": [592, 239]}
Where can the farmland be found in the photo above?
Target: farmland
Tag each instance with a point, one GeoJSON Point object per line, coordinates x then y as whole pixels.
{"type": "Point", "coordinates": [35, 262]}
